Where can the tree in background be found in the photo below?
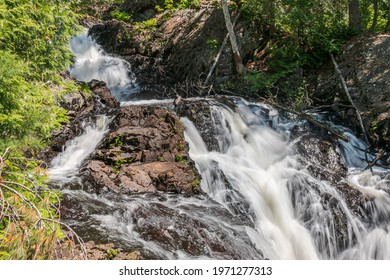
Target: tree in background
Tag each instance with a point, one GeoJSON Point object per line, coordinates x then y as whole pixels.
{"type": "Point", "coordinates": [355, 16]}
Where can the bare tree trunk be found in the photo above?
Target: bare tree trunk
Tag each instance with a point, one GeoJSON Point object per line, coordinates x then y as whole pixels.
{"type": "Point", "coordinates": [355, 15]}
{"type": "Point", "coordinates": [375, 19]}
{"type": "Point", "coordinates": [233, 39]}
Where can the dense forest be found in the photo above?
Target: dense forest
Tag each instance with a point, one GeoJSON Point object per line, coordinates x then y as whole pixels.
{"type": "Point", "coordinates": [290, 36]}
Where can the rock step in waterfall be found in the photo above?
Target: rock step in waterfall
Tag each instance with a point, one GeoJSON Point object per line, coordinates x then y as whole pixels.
{"type": "Point", "coordinates": [265, 193]}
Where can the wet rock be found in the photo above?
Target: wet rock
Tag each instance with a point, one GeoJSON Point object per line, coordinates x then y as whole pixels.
{"type": "Point", "coordinates": [104, 99]}
{"type": "Point", "coordinates": [319, 153]}
{"type": "Point", "coordinates": [82, 109]}
{"type": "Point", "coordinates": [95, 251]}
{"type": "Point", "coordinates": [175, 230]}
{"type": "Point", "coordinates": [141, 9]}
{"type": "Point", "coordinates": [323, 160]}
{"type": "Point", "coordinates": [199, 113]}
{"type": "Point", "coordinates": [145, 152]}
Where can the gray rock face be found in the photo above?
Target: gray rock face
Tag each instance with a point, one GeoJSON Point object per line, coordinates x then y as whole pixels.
{"type": "Point", "coordinates": [365, 63]}
{"type": "Point", "coordinates": [177, 49]}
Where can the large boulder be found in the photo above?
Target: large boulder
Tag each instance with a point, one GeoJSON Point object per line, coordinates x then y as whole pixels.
{"type": "Point", "coordinates": [145, 152]}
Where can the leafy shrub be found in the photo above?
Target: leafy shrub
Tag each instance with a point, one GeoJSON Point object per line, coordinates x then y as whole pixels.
{"type": "Point", "coordinates": [29, 226]}
{"type": "Point", "coordinates": [172, 5]}
{"type": "Point", "coordinates": [120, 15]}
{"type": "Point", "coordinates": [34, 48]}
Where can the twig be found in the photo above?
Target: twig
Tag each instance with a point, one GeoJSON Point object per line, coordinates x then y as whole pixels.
{"type": "Point", "coordinates": [74, 234]}
{"type": "Point", "coordinates": [2, 205]}
{"type": "Point", "coordinates": [309, 119]}
{"type": "Point", "coordinates": [349, 98]}
{"type": "Point", "coordinates": [24, 199]}
{"type": "Point", "coordinates": [378, 156]}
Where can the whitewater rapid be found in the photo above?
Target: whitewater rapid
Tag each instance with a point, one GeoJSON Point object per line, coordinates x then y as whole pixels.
{"type": "Point", "coordinates": [256, 173]}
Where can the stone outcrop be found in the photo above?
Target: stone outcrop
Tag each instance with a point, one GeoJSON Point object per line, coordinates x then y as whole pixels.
{"type": "Point", "coordinates": [82, 108]}
{"type": "Point", "coordinates": [364, 63]}
{"type": "Point", "coordinates": [145, 152]}
{"type": "Point", "coordinates": [180, 47]}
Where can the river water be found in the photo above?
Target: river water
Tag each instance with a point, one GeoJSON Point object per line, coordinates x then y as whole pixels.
{"type": "Point", "coordinates": [261, 201]}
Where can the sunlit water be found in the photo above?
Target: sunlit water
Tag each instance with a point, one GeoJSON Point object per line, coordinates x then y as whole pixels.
{"type": "Point", "coordinates": [91, 62]}
{"type": "Point", "coordinates": [261, 201]}
{"type": "Point", "coordinates": [65, 167]}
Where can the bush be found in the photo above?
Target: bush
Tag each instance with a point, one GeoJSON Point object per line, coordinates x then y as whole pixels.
{"type": "Point", "coordinates": [34, 48]}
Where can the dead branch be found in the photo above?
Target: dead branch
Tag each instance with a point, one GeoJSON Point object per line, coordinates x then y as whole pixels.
{"type": "Point", "coordinates": [310, 119]}
{"type": "Point", "coordinates": [26, 200]}
{"type": "Point", "coordinates": [233, 39]}
{"type": "Point", "coordinates": [349, 98]}
{"type": "Point", "coordinates": [216, 60]}
{"type": "Point", "coordinates": [378, 156]}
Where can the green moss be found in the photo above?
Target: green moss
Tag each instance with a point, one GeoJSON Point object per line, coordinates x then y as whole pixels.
{"type": "Point", "coordinates": [119, 162]}
{"type": "Point", "coordinates": [180, 159]}
{"type": "Point", "coordinates": [112, 253]}
{"type": "Point", "coordinates": [160, 158]}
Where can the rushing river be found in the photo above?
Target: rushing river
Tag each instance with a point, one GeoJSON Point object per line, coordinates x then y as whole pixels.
{"type": "Point", "coordinates": [261, 200]}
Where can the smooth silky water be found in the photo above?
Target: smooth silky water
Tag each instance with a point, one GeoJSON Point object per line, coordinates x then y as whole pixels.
{"type": "Point", "coordinates": [261, 201]}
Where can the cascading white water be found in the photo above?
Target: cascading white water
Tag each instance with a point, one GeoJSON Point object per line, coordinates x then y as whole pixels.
{"type": "Point", "coordinates": [256, 175]}
{"type": "Point", "coordinates": [64, 168]}
{"type": "Point", "coordinates": [293, 221]}
{"type": "Point", "coordinates": [92, 63]}
{"type": "Point", "coordinates": [254, 160]}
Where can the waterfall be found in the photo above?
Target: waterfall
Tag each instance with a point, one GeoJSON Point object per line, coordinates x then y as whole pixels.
{"type": "Point", "coordinates": [292, 217]}
{"type": "Point", "coordinates": [64, 168]}
{"type": "Point", "coordinates": [261, 200]}
{"type": "Point", "coordinates": [92, 63]}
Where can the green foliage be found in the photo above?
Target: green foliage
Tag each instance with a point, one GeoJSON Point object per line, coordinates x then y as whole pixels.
{"type": "Point", "coordinates": [28, 215]}
{"type": "Point", "coordinates": [367, 8]}
{"type": "Point", "coordinates": [119, 162]}
{"type": "Point", "coordinates": [258, 80]}
{"type": "Point", "coordinates": [120, 15]}
{"type": "Point", "coordinates": [306, 29]}
{"type": "Point", "coordinates": [28, 114]}
{"type": "Point", "coordinates": [111, 253]}
{"type": "Point", "coordinates": [212, 44]}
{"type": "Point", "coordinates": [303, 33]}
{"type": "Point", "coordinates": [172, 5]}
{"type": "Point", "coordinates": [180, 158]}
{"type": "Point", "coordinates": [34, 39]}
{"type": "Point", "coordinates": [38, 32]}
{"type": "Point", "coordinates": [34, 48]}
{"type": "Point", "coordinates": [145, 26]}
{"type": "Point", "coordinates": [118, 141]}
{"type": "Point", "coordinates": [160, 158]}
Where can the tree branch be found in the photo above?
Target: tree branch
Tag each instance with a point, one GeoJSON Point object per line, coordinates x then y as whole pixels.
{"type": "Point", "coordinates": [216, 60]}
{"type": "Point", "coordinates": [344, 84]}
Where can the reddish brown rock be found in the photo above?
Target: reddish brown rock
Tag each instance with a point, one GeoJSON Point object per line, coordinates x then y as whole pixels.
{"type": "Point", "coordinates": [81, 109]}
{"type": "Point", "coordinates": [146, 152]}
